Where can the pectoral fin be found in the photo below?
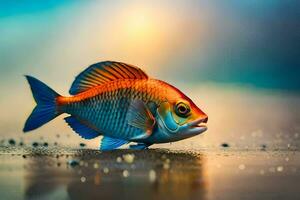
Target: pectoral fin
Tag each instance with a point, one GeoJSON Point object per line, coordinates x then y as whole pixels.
{"type": "Point", "coordinates": [140, 117]}
{"type": "Point", "coordinates": [108, 143]}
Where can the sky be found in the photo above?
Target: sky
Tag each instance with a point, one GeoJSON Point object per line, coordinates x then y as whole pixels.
{"type": "Point", "coordinates": [191, 44]}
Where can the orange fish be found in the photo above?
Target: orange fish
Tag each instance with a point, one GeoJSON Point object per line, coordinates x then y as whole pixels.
{"type": "Point", "coordinates": [120, 102]}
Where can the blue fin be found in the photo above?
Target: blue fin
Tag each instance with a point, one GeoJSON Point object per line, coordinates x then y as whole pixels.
{"type": "Point", "coordinates": [139, 146]}
{"type": "Point", "coordinates": [45, 109]}
{"type": "Point", "coordinates": [108, 143]}
{"type": "Point", "coordinates": [140, 117]}
{"type": "Point", "coordinates": [104, 72]}
{"type": "Point", "coordinates": [82, 129]}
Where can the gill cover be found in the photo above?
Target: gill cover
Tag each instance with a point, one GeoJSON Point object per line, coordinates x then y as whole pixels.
{"type": "Point", "coordinates": [165, 113]}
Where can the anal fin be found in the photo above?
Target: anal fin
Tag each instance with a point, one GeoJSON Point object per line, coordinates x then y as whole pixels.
{"type": "Point", "coordinates": [82, 129]}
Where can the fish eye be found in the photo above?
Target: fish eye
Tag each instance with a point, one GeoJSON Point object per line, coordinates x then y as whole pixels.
{"type": "Point", "coordinates": [182, 109]}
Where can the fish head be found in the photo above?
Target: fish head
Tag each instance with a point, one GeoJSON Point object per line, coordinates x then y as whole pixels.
{"type": "Point", "coordinates": [180, 118]}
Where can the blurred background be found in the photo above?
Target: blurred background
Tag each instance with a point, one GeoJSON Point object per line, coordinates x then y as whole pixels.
{"type": "Point", "coordinates": [238, 60]}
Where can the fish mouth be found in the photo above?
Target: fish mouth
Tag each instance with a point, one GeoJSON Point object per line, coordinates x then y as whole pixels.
{"type": "Point", "coordinates": [198, 126]}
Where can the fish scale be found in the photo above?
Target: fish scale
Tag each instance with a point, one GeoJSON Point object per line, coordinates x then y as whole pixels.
{"type": "Point", "coordinates": [103, 109]}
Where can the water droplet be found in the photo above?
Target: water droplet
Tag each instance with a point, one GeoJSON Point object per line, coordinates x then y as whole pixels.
{"type": "Point", "coordinates": [280, 168]}
{"type": "Point", "coordinates": [83, 179]}
{"type": "Point", "coordinates": [125, 173]}
{"type": "Point", "coordinates": [96, 165]}
{"type": "Point", "coordinates": [119, 159]}
{"type": "Point", "coordinates": [12, 142]}
{"type": "Point", "coordinates": [129, 158]}
{"type": "Point", "coordinates": [263, 147]}
{"type": "Point", "coordinates": [82, 144]}
{"type": "Point", "coordinates": [166, 166]}
{"type": "Point", "coordinates": [35, 144]}
{"type": "Point", "coordinates": [152, 175]}
{"type": "Point", "coordinates": [225, 145]}
{"type": "Point", "coordinates": [73, 163]}
{"type": "Point", "coordinates": [105, 170]}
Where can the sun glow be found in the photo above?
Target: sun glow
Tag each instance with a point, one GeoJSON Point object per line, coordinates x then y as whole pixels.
{"type": "Point", "coordinates": [137, 35]}
{"type": "Point", "coordinates": [142, 31]}
{"type": "Point", "coordinates": [145, 34]}
{"type": "Point", "coordinates": [141, 26]}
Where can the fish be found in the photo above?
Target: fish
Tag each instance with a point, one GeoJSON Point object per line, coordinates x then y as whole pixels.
{"type": "Point", "coordinates": [120, 102]}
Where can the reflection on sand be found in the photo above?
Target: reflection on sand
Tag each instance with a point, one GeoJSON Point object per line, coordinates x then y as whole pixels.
{"type": "Point", "coordinates": [154, 174]}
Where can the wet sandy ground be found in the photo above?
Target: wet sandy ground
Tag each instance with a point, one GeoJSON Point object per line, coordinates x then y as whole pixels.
{"type": "Point", "coordinates": [60, 173]}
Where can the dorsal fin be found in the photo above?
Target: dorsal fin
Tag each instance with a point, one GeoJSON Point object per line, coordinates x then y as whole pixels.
{"type": "Point", "coordinates": [104, 72]}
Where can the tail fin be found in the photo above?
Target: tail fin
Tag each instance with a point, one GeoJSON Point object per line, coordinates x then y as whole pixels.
{"type": "Point", "coordinates": [45, 109]}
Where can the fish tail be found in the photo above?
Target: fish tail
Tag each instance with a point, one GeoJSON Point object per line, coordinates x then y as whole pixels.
{"type": "Point", "coordinates": [46, 108]}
